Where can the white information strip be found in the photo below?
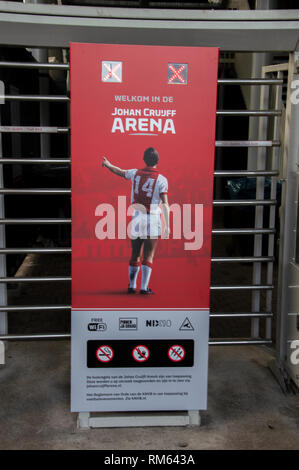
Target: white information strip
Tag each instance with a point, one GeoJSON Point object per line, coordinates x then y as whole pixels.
{"type": "Point", "coordinates": [139, 360]}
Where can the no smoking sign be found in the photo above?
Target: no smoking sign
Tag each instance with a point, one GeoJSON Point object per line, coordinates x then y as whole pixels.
{"type": "Point", "coordinates": [104, 353]}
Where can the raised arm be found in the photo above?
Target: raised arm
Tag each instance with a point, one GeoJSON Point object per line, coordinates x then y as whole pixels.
{"type": "Point", "coordinates": [114, 169]}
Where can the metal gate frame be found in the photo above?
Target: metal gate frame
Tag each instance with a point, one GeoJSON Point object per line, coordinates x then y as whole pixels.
{"type": "Point", "coordinates": [286, 39]}
{"type": "Point", "coordinates": [258, 231]}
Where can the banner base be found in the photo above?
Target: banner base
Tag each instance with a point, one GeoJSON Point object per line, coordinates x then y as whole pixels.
{"type": "Point", "coordinates": [117, 420]}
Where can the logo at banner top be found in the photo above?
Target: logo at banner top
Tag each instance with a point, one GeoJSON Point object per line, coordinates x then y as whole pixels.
{"type": "Point", "coordinates": [111, 71]}
{"type": "Point", "coordinates": [104, 353]}
{"type": "Point", "coordinates": [140, 353]}
{"type": "Point", "coordinates": [177, 74]}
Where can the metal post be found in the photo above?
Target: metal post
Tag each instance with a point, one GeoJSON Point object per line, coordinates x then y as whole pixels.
{"type": "Point", "coordinates": [273, 195]}
{"type": "Point", "coordinates": [258, 60]}
{"type": "Point", "coordinates": [218, 184]}
{"type": "Point", "coordinates": [41, 55]}
{"type": "Point", "coordinates": [259, 211]}
{"type": "Point", "coordinates": [16, 147]}
{"type": "Point", "coordinates": [44, 106]}
{"type": "Point", "coordinates": [3, 287]}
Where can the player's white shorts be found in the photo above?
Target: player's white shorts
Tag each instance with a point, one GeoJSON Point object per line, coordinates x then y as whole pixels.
{"type": "Point", "coordinates": [145, 225]}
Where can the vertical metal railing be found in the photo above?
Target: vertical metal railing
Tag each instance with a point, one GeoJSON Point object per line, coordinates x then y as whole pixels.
{"type": "Point", "coordinates": [3, 288]}
{"type": "Point", "coordinates": [273, 195]}
{"type": "Point", "coordinates": [263, 145]}
{"type": "Point", "coordinates": [266, 158]}
{"type": "Point", "coordinates": [259, 210]}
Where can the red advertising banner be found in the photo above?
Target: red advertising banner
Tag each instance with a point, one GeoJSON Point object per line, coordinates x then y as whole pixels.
{"type": "Point", "coordinates": [143, 139]}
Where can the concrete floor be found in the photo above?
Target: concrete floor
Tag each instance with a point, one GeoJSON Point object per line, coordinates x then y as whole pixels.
{"type": "Point", "coordinates": [246, 407]}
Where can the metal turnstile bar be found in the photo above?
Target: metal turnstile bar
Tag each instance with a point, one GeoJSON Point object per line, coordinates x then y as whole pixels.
{"type": "Point", "coordinates": [56, 191]}
{"type": "Point", "coordinates": [36, 279]}
{"type": "Point", "coordinates": [33, 65]}
{"type": "Point", "coordinates": [241, 231]}
{"type": "Point", "coordinates": [246, 259]}
{"type": "Point", "coordinates": [250, 287]}
{"type": "Point", "coordinates": [26, 308]}
{"type": "Point", "coordinates": [35, 191]}
{"type": "Point", "coordinates": [43, 161]}
{"type": "Point", "coordinates": [219, 259]}
{"type": "Point", "coordinates": [249, 81]}
{"type": "Point", "coordinates": [256, 112]}
{"type": "Point", "coordinates": [242, 202]}
{"type": "Point", "coordinates": [234, 231]}
{"type": "Point", "coordinates": [66, 99]}
{"type": "Point", "coordinates": [8, 280]}
{"type": "Point", "coordinates": [68, 221]}
{"type": "Point", "coordinates": [219, 143]}
{"type": "Point", "coordinates": [217, 231]}
{"type": "Point", "coordinates": [245, 173]}
{"type": "Point", "coordinates": [234, 342]}
{"type": "Point", "coordinates": [61, 66]}
{"type": "Point", "coordinates": [217, 173]}
{"type": "Point", "coordinates": [227, 342]}
{"type": "Point", "coordinates": [247, 143]}
{"type": "Point", "coordinates": [14, 251]}
{"type": "Point", "coordinates": [35, 337]}
{"type": "Point", "coordinates": [57, 98]}
{"type": "Point", "coordinates": [34, 221]}
{"type": "Point", "coordinates": [33, 130]}
{"type": "Point", "coordinates": [240, 315]}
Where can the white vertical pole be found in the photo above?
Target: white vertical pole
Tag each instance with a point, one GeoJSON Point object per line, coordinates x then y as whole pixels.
{"type": "Point", "coordinates": [15, 138]}
{"type": "Point", "coordinates": [273, 195]}
{"type": "Point", "coordinates": [259, 59]}
{"type": "Point", "coordinates": [41, 55]}
{"type": "Point", "coordinates": [3, 289]}
{"type": "Point", "coordinates": [259, 211]}
{"type": "Point", "coordinates": [289, 170]}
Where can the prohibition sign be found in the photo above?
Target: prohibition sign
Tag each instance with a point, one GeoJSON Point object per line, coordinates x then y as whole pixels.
{"type": "Point", "coordinates": [104, 353]}
{"type": "Point", "coordinates": [176, 353]}
{"type": "Point", "coordinates": [111, 71]}
{"type": "Point", "coordinates": [177, 74]}
{"type": "Point", "coordinates": [140, 353]}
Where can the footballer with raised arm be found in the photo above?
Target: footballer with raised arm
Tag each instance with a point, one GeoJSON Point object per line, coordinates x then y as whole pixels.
{"type": "Point", "coordinates": [149, 191]}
